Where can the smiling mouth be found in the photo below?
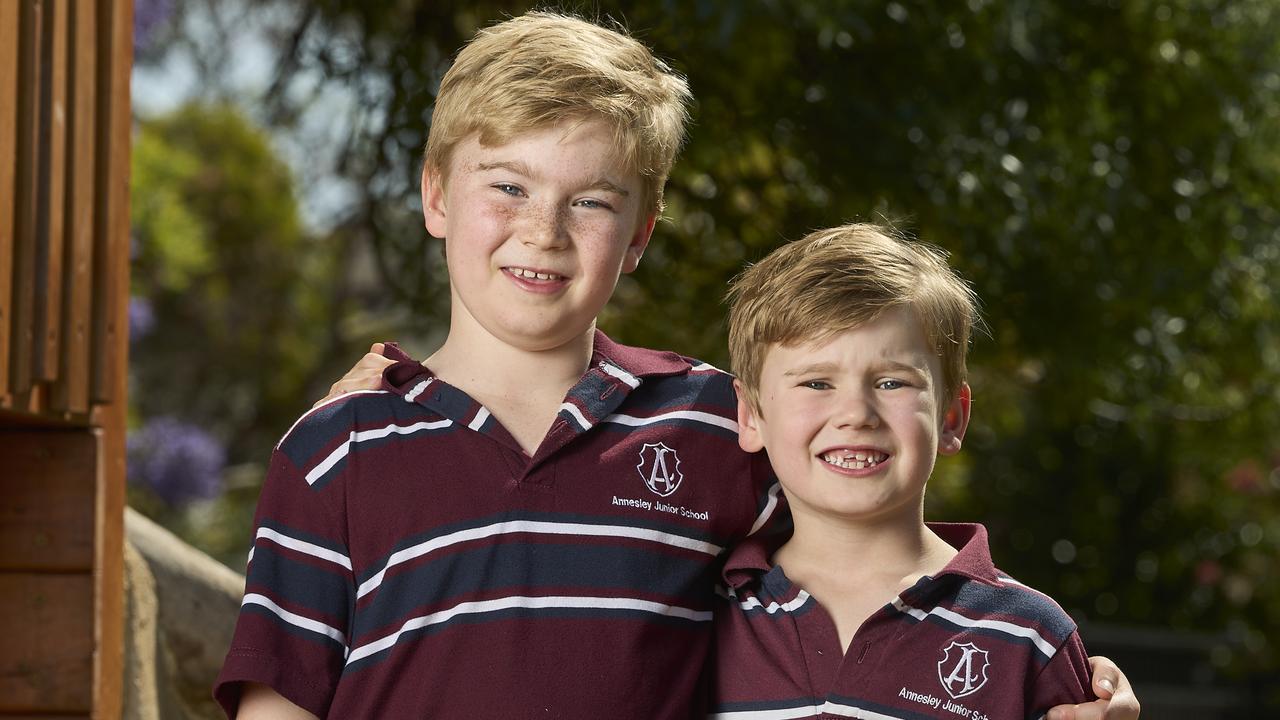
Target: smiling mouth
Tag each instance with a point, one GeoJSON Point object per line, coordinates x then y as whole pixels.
{"type": "Point", "coordinates": [854, 459]}
{"type": "Point", "coordinates": [527, 274]}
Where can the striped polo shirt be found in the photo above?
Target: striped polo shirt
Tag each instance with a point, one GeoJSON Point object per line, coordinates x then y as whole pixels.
{"type": "Point", "coordinates": [969, 643]}
{"type": "Point", "coordinates": [411, 561]}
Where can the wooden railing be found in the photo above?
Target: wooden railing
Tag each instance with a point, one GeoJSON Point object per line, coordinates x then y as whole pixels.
{"type": "Point", "coordinates": [64, 251]}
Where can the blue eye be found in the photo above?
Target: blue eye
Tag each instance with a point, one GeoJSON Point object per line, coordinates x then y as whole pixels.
{"type": "Point", "coordinates": [890, 384]}
{"type": "Point", "coordinates": [508, 189]}
{"type": "Point", "coordinates": [816, 384]}
{"type": "Point", "coordinates": [592, 203]}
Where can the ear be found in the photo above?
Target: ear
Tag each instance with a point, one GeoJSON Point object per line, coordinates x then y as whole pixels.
{"type": "Point", "coordinates": [955, 422]}
{"type": "Point", "coordinates": [749, 437]}
{"type": "Point", "coordinates": [639, 241]}
{"type": "Point", "coordinates": [433, 203]}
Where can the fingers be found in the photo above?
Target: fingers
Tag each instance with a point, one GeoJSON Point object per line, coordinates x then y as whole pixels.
{"type": "Point", "coordinates": [1110, 682]}
{"type": "Point", "coordinates": [364, 375]}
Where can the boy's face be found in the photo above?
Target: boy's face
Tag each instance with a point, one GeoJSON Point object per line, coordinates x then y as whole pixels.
{"type": "Point", "coordinates": [853, 423]}
{"type": "Point", "coordinates": [537, 231]}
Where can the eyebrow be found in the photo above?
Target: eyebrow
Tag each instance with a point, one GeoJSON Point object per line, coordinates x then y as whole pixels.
{"type": "Point", "coordinates": [825, 368]}
{"type": "Point", "coordinates": [524, 170]}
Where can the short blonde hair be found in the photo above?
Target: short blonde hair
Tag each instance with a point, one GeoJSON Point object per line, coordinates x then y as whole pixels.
{"type": "Point", "coordinates": [543, 68]}
{"type": "Point", "coordinates": [841, 278]}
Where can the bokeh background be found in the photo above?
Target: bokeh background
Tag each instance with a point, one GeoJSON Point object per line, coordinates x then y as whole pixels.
{"type": "Point", "coordinates": [1105, 173]}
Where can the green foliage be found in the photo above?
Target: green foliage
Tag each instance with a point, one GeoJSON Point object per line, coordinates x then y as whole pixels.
{"type": "Point", "coordinates": [238, 291]}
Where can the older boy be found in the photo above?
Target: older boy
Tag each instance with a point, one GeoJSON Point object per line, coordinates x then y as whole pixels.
{"type": "Point", "coordinates": [529, 524]}
{"type": "Point", "coordinates": [849, 347]}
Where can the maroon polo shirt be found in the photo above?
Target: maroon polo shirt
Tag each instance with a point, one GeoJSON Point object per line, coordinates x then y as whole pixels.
{"type": "Point", "coordinates": [969, 643]}
{"type": "Point", "coordinates": [411, 561]}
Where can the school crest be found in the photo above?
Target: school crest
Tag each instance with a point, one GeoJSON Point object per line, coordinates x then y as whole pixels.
{"type": "Point", "coordinates": [660, 468]}
{"type": "Point", "coordinates": [962, 669]}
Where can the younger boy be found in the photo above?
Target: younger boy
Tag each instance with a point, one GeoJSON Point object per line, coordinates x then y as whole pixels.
{"type": "Point", "coordinates": [849, 347]}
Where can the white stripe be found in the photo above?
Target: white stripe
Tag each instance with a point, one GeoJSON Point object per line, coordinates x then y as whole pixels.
{"type": "Point", "coordinates": [577, 415]}
{"type": "Point", "coordinates": [850, 711]}
{"type": "Point", "coordinates": [701, 417]}
{"type": "Point", "coordinates": [805, 711]}
{"type": "Point", "coordinates": [999, 626]}
{"type": "Point", "coordinates": [478, 421]}
{"type": "Point", "coordinates": [769, 506]}
{"type": "Point", "coordinates": [791, 713]}
{"type": "Point", "coordinates": [303, 546]}
{"type": "Point", "coordinates": [417, 390]}
{"type": "Point", "coordinates": [521, 601]}
{"type": "Point", "coordinates": [341, 451]}
{"type": "Point", "coordinates": [326, 404]}
{"type": "Point", "coordinates": [529, 526]}
{"type": "Point", "coordinates": [705, 367]}
{"type": "Point", "coordinates": [790, 606]}
{"type": "Point", "coordinates": [294, 619]}
{"type": "Point", "coordinates": [621, 374]}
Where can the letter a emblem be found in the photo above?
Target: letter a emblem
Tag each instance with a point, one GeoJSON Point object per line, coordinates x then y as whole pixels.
{"type": "Point", "coordinates": [660, 468]}
{"type": "Point", "coordinates": [962, 669]}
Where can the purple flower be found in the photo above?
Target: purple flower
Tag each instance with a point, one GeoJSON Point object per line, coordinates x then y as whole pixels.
{"type": "Point", "coordinates": [147, 16]}
{"type": "Point", "coordinates": [176, 460]}
{"type": "Point", "coordinates": [142, 318]}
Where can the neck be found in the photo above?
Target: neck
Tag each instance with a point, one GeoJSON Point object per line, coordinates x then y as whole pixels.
{"type": "Point", "coordinates": [475, 360]}
{"type": "Point", "coordinates": [897, 549]}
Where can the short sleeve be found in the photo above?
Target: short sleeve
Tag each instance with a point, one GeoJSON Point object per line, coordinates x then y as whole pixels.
{"type": "Point", "coordinates": [1065, 680]}
{"type": "Point", "coordinates": [292, 632]}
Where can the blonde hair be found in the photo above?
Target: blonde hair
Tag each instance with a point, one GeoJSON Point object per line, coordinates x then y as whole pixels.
{"type": "Point", "coordinates": [543, 68]}
{"type": "Point", "coordinates": [837, 279]}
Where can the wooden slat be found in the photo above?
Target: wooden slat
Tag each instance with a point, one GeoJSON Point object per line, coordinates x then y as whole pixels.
{"type": "Point", "coordinates": [9, 23]}
{"type": "Point", "coordinates": [21, 337]}
{"type": "Point", "coordinates": [37, 675]}
{"type": "Point", "coordinates": [46, 313]}
{"type": "Point", "coordinates": [109, 591]}
{"type": "Point", "coordinates": [115, 58]}
{"type": "Point", "coordinates": [49, 486]}
{"type": "Point", "coordinates": [71, 389]}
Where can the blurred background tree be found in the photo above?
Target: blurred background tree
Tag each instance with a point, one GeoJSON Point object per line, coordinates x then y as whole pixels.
{"type": "Point", "coordinates": [1106, 174]}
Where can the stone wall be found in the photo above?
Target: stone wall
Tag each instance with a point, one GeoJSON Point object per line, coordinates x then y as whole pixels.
{"type": "Point", "coordinates": [181, 608]}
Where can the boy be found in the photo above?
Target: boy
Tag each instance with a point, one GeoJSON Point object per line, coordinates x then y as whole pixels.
{"type": "Point", "coordinates": [530, 522]}
{"type": "Point", "coordinates": [849, 347]}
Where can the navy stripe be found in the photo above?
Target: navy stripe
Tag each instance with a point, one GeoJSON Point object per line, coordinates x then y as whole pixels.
{"type": "Point", "coordinates": [281, 575]}
{"type": "Point", "coordinates": [709, 392]}
{"type": "Point", "coordinates": [565, 518]}
{"type": "Point", "coordinates": [756, 705]}
{"type": "Point", "coordinates": [523, 568]}
{"type": "Point", "coordinates": [895, 710]}
{"type": "Point", "coordinates": [612, 615]}
{"type": "Point", "coordinates": [316, 436]}
{"type": "Point", "coordinates": [1037, 611]}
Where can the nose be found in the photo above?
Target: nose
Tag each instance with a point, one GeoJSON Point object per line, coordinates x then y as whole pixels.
{"type": "Point", "coordinates": [545, 227]}
{"type": "Point", "coordinates": [857, 409]}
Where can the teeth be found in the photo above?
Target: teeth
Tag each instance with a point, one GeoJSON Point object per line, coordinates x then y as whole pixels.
{"type": "Point", "coordinates": [531, 275]}
{"type": "Point", "coordinates": [858, 460]}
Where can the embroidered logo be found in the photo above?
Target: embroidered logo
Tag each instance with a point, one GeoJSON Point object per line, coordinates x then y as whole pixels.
{"type": "Point", "coordinates": [660, 468]}
{"type": "Point", "coordinates": [963, 669]}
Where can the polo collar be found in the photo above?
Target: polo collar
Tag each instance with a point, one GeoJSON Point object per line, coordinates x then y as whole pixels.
{"type": "Point", "coordinates": [639, 362]}
{"type": "Point", "coordinates": [751, 559]}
